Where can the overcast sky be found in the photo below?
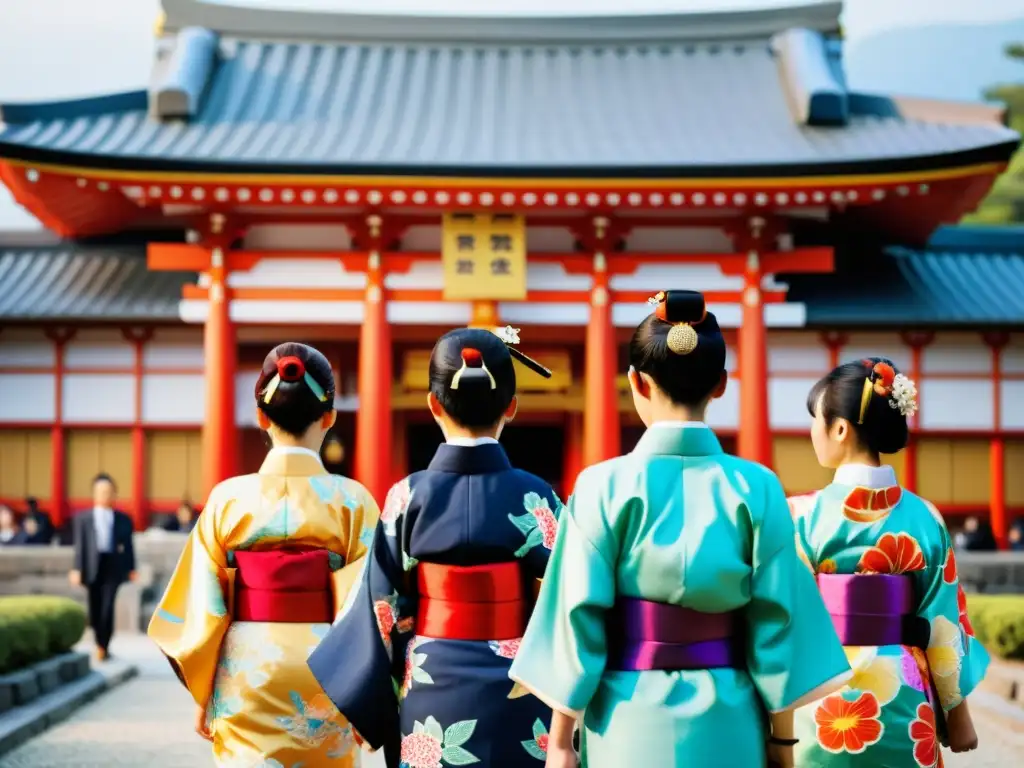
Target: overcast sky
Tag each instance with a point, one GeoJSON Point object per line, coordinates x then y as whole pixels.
{"type": "Point", "coordinates": [51, 49]}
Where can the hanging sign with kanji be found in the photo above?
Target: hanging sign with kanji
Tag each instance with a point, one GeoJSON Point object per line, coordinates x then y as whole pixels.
{"type": "Point", "coordinates": [484, 257]}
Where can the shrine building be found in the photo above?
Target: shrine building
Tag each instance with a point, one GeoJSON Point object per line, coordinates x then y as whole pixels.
{"type": "Point", "coordinates": [365, 183]}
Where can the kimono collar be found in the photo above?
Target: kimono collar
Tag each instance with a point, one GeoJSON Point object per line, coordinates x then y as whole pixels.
{"type": "Point", "coordinates": [470, 460]}
{"type": "Point", "coordinates": [471, 442]}
{"type": "Point", "coordinates": [678, 438]}
{"type": "Point", "coordinates": [864, 476]}
{"type": "Point", "coordinates": [292, 461]}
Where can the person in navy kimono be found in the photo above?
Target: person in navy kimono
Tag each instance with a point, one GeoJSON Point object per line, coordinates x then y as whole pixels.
{"type": "Point", "coordinates": [418, 660]}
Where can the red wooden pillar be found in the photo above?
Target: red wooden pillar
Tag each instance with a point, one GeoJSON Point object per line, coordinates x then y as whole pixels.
{"type": "Point", "coordinates": [58, 442]}
{"type": "Point", "coordinates": [139, 517]}
{"type": "Point", "coordinates": [917, 343]}
{"type": "Point", "coordinates": [998, 518]}
{"type": "Point", "coordinates": [220, 350]}
{"type": "Point", "coordinates": [572, 463]}
{"type": "Point", "coordinates": [601, 408]}
{"type": "Point", "coordinates": [755, 437]}
{"type": "Point", "coordinates": [373, 461]}
{"type": "Point", "coordinates": [835, 342]}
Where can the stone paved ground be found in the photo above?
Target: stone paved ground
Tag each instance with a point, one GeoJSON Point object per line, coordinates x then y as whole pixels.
{"type": "Point", "coordinates": [147, 723]}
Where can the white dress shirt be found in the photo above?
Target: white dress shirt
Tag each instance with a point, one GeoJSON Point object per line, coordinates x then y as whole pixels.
{"type": "Point", "coordinates": [103, 522]}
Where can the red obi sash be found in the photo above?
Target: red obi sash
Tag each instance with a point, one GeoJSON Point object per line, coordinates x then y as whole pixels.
{"type": "Point", "coordinates": [644, 635]}
{"type": "Point", "coordinates": [873, 609]}
{"type": "Point", "coordinates": [284, 587]}
{"type": "Point", "coordinates": [477, 602]}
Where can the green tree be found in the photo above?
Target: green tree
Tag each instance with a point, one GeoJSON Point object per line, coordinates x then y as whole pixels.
{"type": "Point", "coordinates": [1005, 203]}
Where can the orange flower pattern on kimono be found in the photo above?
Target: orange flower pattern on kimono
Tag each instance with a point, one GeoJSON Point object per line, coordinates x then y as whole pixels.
{"type": "Point", "coordinates": [925, 737]}
{"type": "Point", "coordinates": [891, 710]}
{"type": "Point", "coordinates": [849, 726]}
{"type": "Point", "coordinates": [895, 553]}
{"type": "Point", "coordinates": [867, 505]}
{"type": "Point", "coordinates": [950, 576]}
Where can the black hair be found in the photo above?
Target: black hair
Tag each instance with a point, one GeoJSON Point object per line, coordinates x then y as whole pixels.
{"type": "Point", "coordinates": [472, 376]}
{"type": "Point", "coordinates": [103, 477]}
{"type": "Point", "coordinates": [283, 391]}
{"type": "Point", "coordinates": [881, 428]}
{"type": "Point", "coordinates": [688, 369]}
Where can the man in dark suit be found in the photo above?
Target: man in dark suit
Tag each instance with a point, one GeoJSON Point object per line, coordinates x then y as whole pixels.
{"type": "Point", "coordinates": [104, 558]}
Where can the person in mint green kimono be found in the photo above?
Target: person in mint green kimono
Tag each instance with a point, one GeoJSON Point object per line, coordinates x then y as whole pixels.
{"type": "Point", "coordinates": [885, 566]}
{"type": "Point", "coordinates": [675, 613]}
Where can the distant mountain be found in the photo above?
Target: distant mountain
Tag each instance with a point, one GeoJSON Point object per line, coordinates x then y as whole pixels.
{"type": "Point", "coordinates": [943, 61]}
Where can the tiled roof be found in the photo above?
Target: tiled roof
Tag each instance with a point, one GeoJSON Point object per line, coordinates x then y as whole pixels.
{"type": "Point", "coordinates": [965, 277]}
{"type": "Point", "coordinates": [79, 282]}
{"type": "Point", "coordinates": [667, 107]}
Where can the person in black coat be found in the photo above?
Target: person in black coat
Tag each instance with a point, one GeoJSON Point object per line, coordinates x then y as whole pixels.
{"type": "Point", "coordinates": [11, 534]}
{"type": "Point", "coordinates": [38, 524]}
{"type": "Point", "coordinates": [104, 558]}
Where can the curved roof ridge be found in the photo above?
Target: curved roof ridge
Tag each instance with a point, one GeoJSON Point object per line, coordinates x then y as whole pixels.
{"type": "Point", "coordinates": [112, 103]}
{"type": "Point", "coordinates": [235, 20]}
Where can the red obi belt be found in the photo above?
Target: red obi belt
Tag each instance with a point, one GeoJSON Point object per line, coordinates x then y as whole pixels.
{"type": "Point", "coordinates": [644, 635]}
{"type": "Point", "coordinates": [477, 602]}
{"type": "Point", "coordinates": [874, 609]}
{"type": "Point", "coordinates": [284, 587]}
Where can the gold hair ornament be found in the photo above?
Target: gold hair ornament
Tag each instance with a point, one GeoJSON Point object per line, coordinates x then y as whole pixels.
{"type": "Point", "coordinates": [682, 339]}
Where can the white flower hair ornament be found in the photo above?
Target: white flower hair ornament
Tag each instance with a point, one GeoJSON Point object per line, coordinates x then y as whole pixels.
{"type": "Point", "coordinates": [508, 334]}
{"type": "Point", "coordinates": [904, 395]}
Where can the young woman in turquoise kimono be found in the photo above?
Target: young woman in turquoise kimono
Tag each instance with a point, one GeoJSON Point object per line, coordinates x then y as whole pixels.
{"type": "Point", "coordinates": [675, 610]}
{"type": "Point", "coordinates": [885, 566]}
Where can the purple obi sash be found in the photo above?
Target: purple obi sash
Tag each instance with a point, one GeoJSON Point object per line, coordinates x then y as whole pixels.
{"type": "Point", "coordinates": [873, 609]}
{"type": "Point", "coordinates": [644, 635]}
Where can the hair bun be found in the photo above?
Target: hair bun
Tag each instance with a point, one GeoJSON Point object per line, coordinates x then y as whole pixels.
{"type": "Point", "coordinates": [290, 368]}
{"type": "Point", "coordinates": [681, 307]}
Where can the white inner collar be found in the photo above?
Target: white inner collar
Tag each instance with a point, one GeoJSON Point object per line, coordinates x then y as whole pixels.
{"type": "Point", "coordinates": [679, 425]}
{"type": "Point", "coordinates": [470, 442]}
{"type": "Point", "coordinates": [865, 476]}
{"type": "Point", "coordinates": [285, 450]}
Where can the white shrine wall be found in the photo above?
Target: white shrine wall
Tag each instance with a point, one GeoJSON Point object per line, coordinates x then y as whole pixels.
{"type": "Point", "coordinates": [99, 388]}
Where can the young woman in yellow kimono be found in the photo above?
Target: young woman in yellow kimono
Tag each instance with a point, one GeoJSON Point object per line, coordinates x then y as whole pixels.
{"type": "Point", "coordinates": [264, 573]}
{"type": "Point", "coordinates": [675, 610]}
{"type": "Point", "coordinates": [885, 567]}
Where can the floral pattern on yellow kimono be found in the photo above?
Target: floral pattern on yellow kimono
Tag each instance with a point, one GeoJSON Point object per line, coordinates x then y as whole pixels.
{"type": "Point", "coordinates": [263, 705]}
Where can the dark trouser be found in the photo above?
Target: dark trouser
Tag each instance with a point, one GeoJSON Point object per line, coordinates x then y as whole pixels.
{"type": "Point", "coordinates": [102, 593]}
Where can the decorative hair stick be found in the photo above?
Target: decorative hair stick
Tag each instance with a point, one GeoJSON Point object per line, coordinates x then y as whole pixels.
{"type": "Point", "coordinates": [510, 336]}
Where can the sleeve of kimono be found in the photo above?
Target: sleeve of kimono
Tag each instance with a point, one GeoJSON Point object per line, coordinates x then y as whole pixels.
{"type": "Point", "coordinates": [563, 654]}
{"type": "Point", "coordinates": [800, 508]}
{"type": "Point", "coordinates": [357, 662]}
{"type": "Point", "coordinates": [542, 510]}
{"type": "Point", "coordinates": [793, 654]}
{"type": "Point", "coordinates": [192, 617]}
{"type": "Point", "coordinates": [957, 660]}
{"type": "Point", "coordinates": [362, 517]}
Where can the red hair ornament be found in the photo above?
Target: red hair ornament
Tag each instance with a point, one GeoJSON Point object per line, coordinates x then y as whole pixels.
{"type": "Point", "coordinates": [291, 369]}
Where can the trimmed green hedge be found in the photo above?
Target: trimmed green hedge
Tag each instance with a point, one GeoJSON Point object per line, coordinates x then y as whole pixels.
{"type": "Point", "coordinates": [998, 622]}
{"type": "Point", "coordinates": [36, 627]}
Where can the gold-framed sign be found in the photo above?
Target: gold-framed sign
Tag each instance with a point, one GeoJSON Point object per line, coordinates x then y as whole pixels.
{"type": "Point", "coordinates": [484, 256]}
